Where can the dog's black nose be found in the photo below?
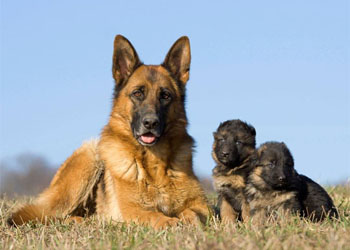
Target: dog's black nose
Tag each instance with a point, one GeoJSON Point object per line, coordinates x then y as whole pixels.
{"type": "Point", "coordinates": [224, 154]}
{"type": "Point", "coordinates": [150, 122]}
{"type": "Point", "coordinates": [282, 179]}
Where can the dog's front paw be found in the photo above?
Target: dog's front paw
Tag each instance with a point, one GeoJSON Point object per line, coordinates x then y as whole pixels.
{"type": "Point", "coordinates": [164, 222]}
{"type": "Point", "coordinates": [189, 217]}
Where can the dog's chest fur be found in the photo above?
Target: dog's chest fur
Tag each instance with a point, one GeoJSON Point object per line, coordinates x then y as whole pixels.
{"type": "Point", "coordinates": [230, 184]}
{"type": "Point", "coordinates": [163, 198]}
{"type": "Point", "coordinates": [153, 181]}
{"type": "Point", "coordinates": [268, 200]}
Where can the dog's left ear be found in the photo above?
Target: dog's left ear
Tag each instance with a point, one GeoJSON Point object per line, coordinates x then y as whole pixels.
{"type": "Point", "coordinates": [178, 59]}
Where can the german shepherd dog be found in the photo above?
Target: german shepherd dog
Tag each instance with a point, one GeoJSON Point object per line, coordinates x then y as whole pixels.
{"type": "Point", "coordinates": [317, 204]}
{"type": "Point", "coordinates": [275, 183]}
{"type": "Point", "coordinates": [234, 143]}
{"type": "Point", "coordinates": [272, 185]}
{"type": "Point", "coordinates": [140, 170]}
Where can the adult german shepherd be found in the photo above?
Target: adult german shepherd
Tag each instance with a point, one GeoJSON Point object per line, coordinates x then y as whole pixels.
{"type": "Point", "coordinates": [141, 168]}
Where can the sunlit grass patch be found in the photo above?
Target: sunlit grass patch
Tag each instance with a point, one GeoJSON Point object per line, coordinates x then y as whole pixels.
{"type": "Point", "coordinates": [288, 232]}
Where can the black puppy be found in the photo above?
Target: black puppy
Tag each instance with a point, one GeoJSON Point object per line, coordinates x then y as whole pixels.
{"type": "Point", "coordinates": [317, 204]}
{"type": "Point", "coordinates": [275, 185]}
{"type": "Point", "coordinates": [234, 143]}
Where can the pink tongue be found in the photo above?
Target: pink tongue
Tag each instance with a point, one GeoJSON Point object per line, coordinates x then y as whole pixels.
{"type": "Point", "coordinates": [148, 138]}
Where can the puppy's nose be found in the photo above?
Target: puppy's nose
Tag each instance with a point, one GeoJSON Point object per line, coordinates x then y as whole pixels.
{"type": "Point", "coordinates": [282, 179]}
{"type": "Point", "coordinates": [224, 154]}
{"type": "Point", "coordinates": [150, 122]}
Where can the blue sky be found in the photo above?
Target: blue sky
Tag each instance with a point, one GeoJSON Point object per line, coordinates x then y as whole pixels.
{"type": "Point", "coordinates": [282, 66]}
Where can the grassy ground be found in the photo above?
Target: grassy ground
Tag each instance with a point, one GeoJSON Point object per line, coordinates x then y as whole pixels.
{"type": "Point", "coordinates": [288, 233]}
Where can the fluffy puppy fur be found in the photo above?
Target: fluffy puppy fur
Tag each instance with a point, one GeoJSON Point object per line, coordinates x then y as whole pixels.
{"type": "Point", "coordinates": [234, 142]}
{"type": "Point", "coordinates": [272, 185]}
{"type": "Point", "coordinates": [317, 204]}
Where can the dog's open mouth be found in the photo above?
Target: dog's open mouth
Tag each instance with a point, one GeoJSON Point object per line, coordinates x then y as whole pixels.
{"type": "Point", "coordinates": [148, 139]}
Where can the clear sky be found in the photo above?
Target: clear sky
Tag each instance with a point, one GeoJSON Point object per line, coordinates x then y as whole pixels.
{"type": "Point", "coordinates": [282, 66]}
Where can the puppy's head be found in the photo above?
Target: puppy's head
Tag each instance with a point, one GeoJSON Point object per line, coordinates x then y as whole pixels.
{"type": "Point", "coordinates": [273, 166]}
{"type": "Point", "coordinates": [234, 142]}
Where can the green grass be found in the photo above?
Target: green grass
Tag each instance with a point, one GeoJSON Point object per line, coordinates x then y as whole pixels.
{"type": "Point", "coordinates": [287, 233]}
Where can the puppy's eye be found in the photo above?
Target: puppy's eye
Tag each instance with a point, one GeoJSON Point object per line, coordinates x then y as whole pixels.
{"type": "Point", "coordinates": [238, 143]}
{"type": "Point", "coordinates": [270, 165]}
{"type": "Point", "coordinates": [137, 93]}
{"type": "Point", "coordinates": [165, 95]}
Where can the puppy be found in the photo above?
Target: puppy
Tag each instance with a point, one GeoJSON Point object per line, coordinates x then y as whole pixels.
{"type": "Point", "coordinates": [317, 204]}
{"type": "Point", "coordinates": [272, 184]}
{"type": "Point", "coordinates": [234, 143]}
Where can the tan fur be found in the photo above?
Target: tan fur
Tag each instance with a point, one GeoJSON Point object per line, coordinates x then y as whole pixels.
{"type": "Point", "coordinates": [234, 181]}
{"type": "Point", "coordinates": [71, 190]}
{"type": "Point", "coordinates": [149, 186]}
{"type": "Point", "coordinates": [265, 203]}
{"type": "Point", "coordinates": [122, 179]}
{"type": "Point", "coordinates": [245, 211]}
{"type": "Point", "coordinates": [227, 213]}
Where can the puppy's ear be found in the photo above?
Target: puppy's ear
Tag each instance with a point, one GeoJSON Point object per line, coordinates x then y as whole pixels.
{"type": "Point", "coordinates": [288, 153]}
{"type": "Point", "coordinates": [258, 153]}
{"type": "Point", "coordinates": [254, 158]}
{"type": "Point", "coordinates": [125, 60]}
{"type": "Point", "coordinates": [252, 130]}
{"type": "Point", "coordinates": [261, 150]}
{"type": "Point", "coordinates": [178, 59]}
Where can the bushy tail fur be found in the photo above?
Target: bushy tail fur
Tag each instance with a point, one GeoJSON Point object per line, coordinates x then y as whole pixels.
{"type": "Point", "coordinates": [27, 213]}
{"type": "Point", "coordinates": [72, 191]}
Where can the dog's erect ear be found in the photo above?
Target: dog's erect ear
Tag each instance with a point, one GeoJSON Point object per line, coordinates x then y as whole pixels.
{"type": "Point", "coordinates": [125, 59]}
{"type": "Point", "coordinates": [254, 158]}
{"type": "Point", "coordinates": [178, 59]}
{"type": "Point", "coordinates": [260, 151]}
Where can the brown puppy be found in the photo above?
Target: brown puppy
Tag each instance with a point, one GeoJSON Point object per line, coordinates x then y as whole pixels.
{"type": "Point", "coordinates": [141, 168]}
{"type": "Point", "coordinates": [234, 142]}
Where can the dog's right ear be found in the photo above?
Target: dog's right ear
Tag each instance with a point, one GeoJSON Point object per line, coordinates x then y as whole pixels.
{"type": "Point", "coordinates": [254, 159]}
{"type": "Point", "coordinates": [125, 60]}
{"type": "Point", "coordinates": [258, 153]}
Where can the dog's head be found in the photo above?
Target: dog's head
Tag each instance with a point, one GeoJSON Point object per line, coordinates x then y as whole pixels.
{"type": "Point", "coordinates": [234, 142]}
{"type": "Point", "coordinates": [150, 98]}
{"type": "Point", "coordinates": [274, 166]}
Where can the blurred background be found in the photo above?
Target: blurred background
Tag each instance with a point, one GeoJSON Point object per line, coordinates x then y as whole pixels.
{"type": "Point", "coordinates": [282, 66]}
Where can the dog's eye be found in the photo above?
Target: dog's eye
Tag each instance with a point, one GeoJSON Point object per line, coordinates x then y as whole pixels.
{"type": "Point", "coordinates": [137, 93]}
{"type": "Point", "coordinates": [270, 165]}
{"type": "Point", "coordinates": [165, 96]}
{"type": "Point", "coordinates": [238, 142]}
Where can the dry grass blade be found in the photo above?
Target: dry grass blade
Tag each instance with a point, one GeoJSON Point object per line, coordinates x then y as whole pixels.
{"type": "Point", "coordinates": [286, 233]}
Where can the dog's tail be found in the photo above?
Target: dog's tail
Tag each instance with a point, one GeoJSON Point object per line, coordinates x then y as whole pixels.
{"type": "Point", "coordinates": [72, 191]}
{"type": "Point", "coordinates": [30, 212]}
